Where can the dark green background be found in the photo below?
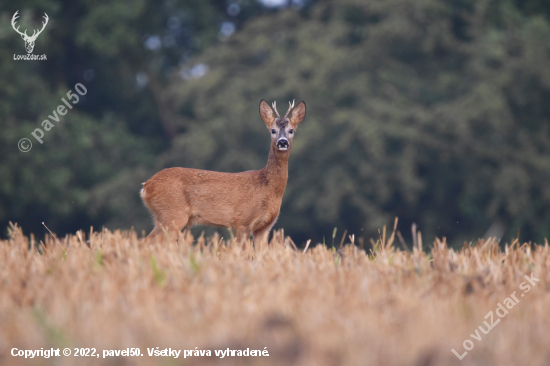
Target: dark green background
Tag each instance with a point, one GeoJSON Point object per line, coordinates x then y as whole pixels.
{"type": "Point", "coordinates": [433, 111]}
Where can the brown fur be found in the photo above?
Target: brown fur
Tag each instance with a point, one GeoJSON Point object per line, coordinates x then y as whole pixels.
{"type": "Point", "coordinates": [249, 201]}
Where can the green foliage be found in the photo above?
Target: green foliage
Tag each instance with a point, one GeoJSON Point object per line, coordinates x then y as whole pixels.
{"type": "Point", "coordinates": [195, 267]}
{"type": "Point", "coordinates": [99, 258]}
{"type": "Point", "coordinates": [433, 111]}
{"type": "Point", "coordinates": [158, 273]}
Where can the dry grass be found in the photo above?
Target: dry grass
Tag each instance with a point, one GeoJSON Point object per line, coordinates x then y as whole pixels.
{"type": "Point", "coordinates": [111, 290]}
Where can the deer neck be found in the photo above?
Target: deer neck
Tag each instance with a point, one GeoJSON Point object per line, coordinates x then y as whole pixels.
{"type": "Point", "coordinates": [275, 173]}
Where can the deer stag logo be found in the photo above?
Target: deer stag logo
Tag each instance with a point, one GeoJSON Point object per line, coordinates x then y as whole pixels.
{"type": "Point", "coordinates": [29, 40]}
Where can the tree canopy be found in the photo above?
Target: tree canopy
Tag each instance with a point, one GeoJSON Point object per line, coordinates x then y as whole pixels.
{"type": "Point", "coordinates": [433, 111]}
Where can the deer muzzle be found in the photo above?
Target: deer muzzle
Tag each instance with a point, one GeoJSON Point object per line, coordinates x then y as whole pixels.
{"type": "Point", "coordinates": [282, 144]}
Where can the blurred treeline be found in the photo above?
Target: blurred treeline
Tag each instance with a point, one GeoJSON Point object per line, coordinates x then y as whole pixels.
{"type": "Point", "coordinates": [434, 111]}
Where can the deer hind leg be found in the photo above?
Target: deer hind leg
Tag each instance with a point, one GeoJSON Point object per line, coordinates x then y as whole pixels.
{"type": "Point", "coordinates": [261, 237]}
{"type": "Point", "coordinates": [170, 211]}
{"type": "Point", "coordinates": [156, 231]}
{"type": "Point", "coordinates": [171, 222]}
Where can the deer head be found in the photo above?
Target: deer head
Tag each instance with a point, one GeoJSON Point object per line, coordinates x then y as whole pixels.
{"type": "Point", "coordinates": [282, 129]}
{"type": "Point", "coordinates": [29, 40]}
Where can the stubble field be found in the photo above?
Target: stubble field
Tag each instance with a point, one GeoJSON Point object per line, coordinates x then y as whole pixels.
{"type": "Point", "coordinates": [343, 306]}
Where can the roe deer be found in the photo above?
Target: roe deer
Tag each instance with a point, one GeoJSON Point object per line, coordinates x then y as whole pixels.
{"type": "Point", "coordinates": [248, 201]}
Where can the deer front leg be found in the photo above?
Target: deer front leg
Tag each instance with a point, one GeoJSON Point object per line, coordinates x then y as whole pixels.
{"type": "Point", "coordinates": [242, 235]}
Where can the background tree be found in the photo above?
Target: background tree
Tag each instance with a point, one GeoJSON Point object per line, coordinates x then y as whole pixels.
{"type": "Point", "coordinates": [431, 111]}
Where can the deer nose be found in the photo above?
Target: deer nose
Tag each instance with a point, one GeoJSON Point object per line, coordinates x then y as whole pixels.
{"type": "Point", "coordinates": [282, 144]}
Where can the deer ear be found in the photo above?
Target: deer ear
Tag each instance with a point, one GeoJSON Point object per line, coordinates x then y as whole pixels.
{"type": "Point", "coordinates": [266, 113]}
{"type": "Point", "coordinates": [298, 114]}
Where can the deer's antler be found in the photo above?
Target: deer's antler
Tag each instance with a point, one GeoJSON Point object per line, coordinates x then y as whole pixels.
{"type": "Point", "coordinates": [289, 108]}
{"type": "Point", "coordinates": [274, 105]}
{"type": "Point", "coordinates": [13, 21]}
{"type": "Point", "coordinates": [24, 34]}
{"type": "Point", "coordinates": [43, 26]}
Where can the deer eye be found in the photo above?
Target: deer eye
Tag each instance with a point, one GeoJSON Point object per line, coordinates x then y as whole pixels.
{"type": "Point", "coordinates": [291, 131]}
{"type": "Point", "coordinates": [273, 131]}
